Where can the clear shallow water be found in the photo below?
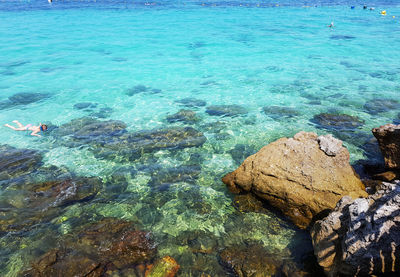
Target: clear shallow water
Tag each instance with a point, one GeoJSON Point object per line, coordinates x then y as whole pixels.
{"type": "Point", "coordinates": [221, 52]}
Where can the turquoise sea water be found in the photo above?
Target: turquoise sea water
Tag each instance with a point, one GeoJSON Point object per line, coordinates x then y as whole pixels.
{"type": "Point", "coordinates": [252, 54]}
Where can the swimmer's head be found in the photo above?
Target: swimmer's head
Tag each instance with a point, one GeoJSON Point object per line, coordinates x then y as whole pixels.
{"type": "Point", "coordinates": [43, 127]}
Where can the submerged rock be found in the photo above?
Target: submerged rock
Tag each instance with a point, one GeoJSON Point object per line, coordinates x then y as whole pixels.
{"type": "Point", "coordinates": [136, 89]}
{"type": "Point", "coordinates": [165, 267]}
{"type": "Point", "coordinates": [388, 137]}
{"type": "Point", "coordinates": [132, 146]}
{"type": "Point", "coordinates": [38, 202]}
{"type": "Point", "coordinates": [297, 177]}
{"type": "Point", "coordinates": [16, 162]}
{"type": "Point", "coordinates": [240, 152]}
{"type": "Point", "coordinates": [84, 105]}
{"type": "Point", "coordinates": [342, 37]}
{"type": "Point", "coordinates": [191, 102]}
{"type": "Point", "coordinates": [248, 261]}
{"type": "Point", "coordinates": [226, 110]}
{"type": "Point", "coordinates": [337, 122]}
{"type": "Point", "coordinates": [186, 116]}
{"type": "Point", "coordinates": [279, 112]}
{"type": "Point", "coordinates": [361, 237]}
{"type": "Point", "coordinates": [381, 105]}
{"type": "Point", "coordinates": [99, 249]}
{"type": "Point", "coordinates": [188, 173]}
{"type": "Point", "coordinates": [24, 98]}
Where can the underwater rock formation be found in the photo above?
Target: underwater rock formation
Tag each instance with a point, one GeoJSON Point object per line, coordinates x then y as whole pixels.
{"type": "Point", "coordinates": [336, 122]}
{"type": "Point", "coordinates": [39, 202]}
{"type": "Point", "coordinates": [278, 112]}
{"type": "Point", "coordinates": [109, 139]}
{"type": "Point", "coordinates": [226, 110]}
{"type": "Point", "coordinates": [361, 237]}
{"type": "Point", "coordinates": [165, 267]}
{"type": "Point", "coordinates": [298, 177]}
{"type": "Point", "coordinates": [22, 98]}
{"type": "Point", "coordinates": [16, 162]}
{"type": "Point", "coordinates": [101, 248]}
{"type": "Point", "coordinates": [248, 261]}
{"type": "Point", "coordinates": [186, 116]}
{"type": "Point", "coordinates": [191, 102]}
{"type": "Point", "coordinates": [388, 137]}
{"type": "Point", "coordinates": [381, 105]}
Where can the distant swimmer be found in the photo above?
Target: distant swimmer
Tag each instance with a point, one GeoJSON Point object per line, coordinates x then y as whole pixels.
{"type": "Point", "coordinates": [35, 129]}
{"type": "Point", "coordinates": [331, 25]}
{"type": "Point", "coordinates": [50, 1]}
{"type": "Point", "coordinates": [365, 7]}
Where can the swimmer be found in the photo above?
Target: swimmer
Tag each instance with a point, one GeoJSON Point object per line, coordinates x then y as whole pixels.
{"type": "Point", "coordinates": [35, 129]}
{"type": "Point", "coordinates": [365, 7]}
{"type": "Point", "coordinates": [331, 25]}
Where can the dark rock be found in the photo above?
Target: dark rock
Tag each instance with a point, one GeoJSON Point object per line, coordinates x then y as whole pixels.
{"type": "Point", "coordinates": [137, 89]}
{"type": "Point", "coordinates": [214, 127]}
{"type": "Point", "coordinates": [337, 122]}
{"type": "Point", "coordinates": [174, 175]}
{"type": "Point", "coordinates": [280, 112]}
{"type": "Point", "coordinates": [381, 105]}
{"type": "Point", "coordinates": [240, 152]}
{"type": "Point", "coordinates": [84, 105]}
{"type": "Point", "coordinates": [186, 116]}
{"type": "Point", "coordinates": [103, 113]}
{"type": "Point", "coordinates": [102, 247]}
{"type": "Point", "coordinates": [360, 237]}
{"type": "Point", "coordinates": [156, 91]}
{"type": "Point", "coordinates": [226, 110]}
{"type": "Point", "coordinates": [191, 102]}
{"type": "Point", "coordinates": [388, 137]}
{"type": "Point", "coordinates": [25, 98]}
{"type": "Point", "coordinates": [43, 200]}
{"type": "Point", "coordinates": [223, 136]}
{"type": "Point", "coordinates": [248, 261]}
{"type": "Point", "coordinates": [15, 162]}
{"type": "Point", "coordinates": [342, 37]}
{"type": "Point", "coordinates": [132, 146]}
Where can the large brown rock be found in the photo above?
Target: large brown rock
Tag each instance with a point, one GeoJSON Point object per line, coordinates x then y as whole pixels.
{"type": "Point", "coordinates": [388, 137]}
{"type": "Point", "coordinates": [302, 176]}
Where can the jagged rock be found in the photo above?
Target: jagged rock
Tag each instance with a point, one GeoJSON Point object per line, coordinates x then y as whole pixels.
{"type": "Point", "coordinates": [297, 177]}
{"type": "Point", "coordinates": [109, 245]}
{"type": "Point", "coordinates": [361, 237]}
{"type": "Point", "coordinates": [186, 116]}
{"type": "Point", "coordinates": [330, 145]}
{"type": "Point", "coordinates": [226, 110]}
{"type": "Point", "coordinates": [388, 137]}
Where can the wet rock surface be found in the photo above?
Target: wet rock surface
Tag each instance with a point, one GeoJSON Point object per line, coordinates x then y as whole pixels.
{"type": "Point", "coordinates": [388, 137]}
{"type": "Point", "coordinates": [297, 177]}
{"type": "Point", "coordinates": [185, 116]}
{"type": "Point", "coordinates": [361, 237]}
{"type": "Point", "coordinates": [226, 110]}
{"type": "Point", "coordinates": [191, 102]}
{"type": "Point", "coordinates": [381, 105]}
{"type": "Point", "coordinates": [98, 249]}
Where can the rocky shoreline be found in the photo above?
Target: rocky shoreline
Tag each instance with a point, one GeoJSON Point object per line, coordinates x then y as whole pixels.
{"type": "Point", "coordinates": [353, 221]}
{"type": "Point", "coordinates": [310, 180]}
